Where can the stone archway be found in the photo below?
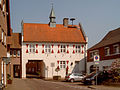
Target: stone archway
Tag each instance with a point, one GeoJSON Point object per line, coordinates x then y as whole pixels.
{"type": "Point", "coordinates": [35, 69]}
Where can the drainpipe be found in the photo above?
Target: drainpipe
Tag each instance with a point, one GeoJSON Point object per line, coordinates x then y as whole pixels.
{"type": "Point", "coordinates": [5, 73]}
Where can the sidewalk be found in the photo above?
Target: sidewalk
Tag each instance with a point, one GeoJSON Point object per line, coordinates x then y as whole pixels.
{"type": "Point", "coordinates": [17, 84]}
{"type": "Point", "coordinates": [102, 87]}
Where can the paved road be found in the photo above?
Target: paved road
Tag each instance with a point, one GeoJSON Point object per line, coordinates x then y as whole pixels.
{"type": "Point", "coordinates": [38, 84]}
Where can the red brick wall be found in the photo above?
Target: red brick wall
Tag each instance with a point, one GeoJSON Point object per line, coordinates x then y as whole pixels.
{"type": "Point", "coordinates": [102, 53]}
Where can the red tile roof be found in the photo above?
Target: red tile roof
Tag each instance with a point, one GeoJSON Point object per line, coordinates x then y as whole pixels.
{"type": "Point", "coordinates": [45, 33]}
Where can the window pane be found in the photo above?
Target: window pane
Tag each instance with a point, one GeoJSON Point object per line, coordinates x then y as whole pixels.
{"type": "Point", "coordinates": [18, 53]}
{"type": "Point", "coordinates": [10, 52]}
{"type": "Point", "coordinates": [14, 52]}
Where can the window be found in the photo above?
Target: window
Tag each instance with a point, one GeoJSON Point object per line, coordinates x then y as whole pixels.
{"type": "Point", "coordinates": [116, 49]}
{"type": "Point", "coordinates": [33, 69]}
{"type": "Point", "coordinates": [11, 52]}
{"type": "Point", "coordinates": [0, 1]}
{"type": "Point", "coordinates": [29, 69]}
{"type": "Point", "coordinates": [77, 48]}
{"type": "Point", "coordinates": [14, 53]}
{"type": "Point", "coordinates": [63, 48]}
{"type": "Point", "coordinates": [92, 53]}
{"type": "Point", "coordinates": [3, 6]}
{"type": "Point", "coordinates": [47, 49]}
{"type": "Point", "coordinates": [107, 51]}
{"type": "Point", "coordinates": [5, 39]}
{"type": "Point", "coordinates": [32, 48]}
{"type": "Point", "coordinates": [18, 53]}
{"type": "Point", "coordinates": [2, 35]}
{"type": "Point", "coordinates": [62, 64]}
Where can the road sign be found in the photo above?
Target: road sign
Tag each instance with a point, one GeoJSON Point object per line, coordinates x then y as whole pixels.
{"type": "Point", "coordinates": [96, 59]}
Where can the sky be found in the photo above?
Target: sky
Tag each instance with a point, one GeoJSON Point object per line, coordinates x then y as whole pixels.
{"type": "Point", "coordinates": [97, 17]}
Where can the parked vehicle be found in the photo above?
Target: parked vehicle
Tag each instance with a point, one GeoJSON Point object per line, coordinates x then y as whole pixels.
{"type": "Point", "coordinates": [91, 78]}
{"type": "Point", "coordinates": [74, 77]}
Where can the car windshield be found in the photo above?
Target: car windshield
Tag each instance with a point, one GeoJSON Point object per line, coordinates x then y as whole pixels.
{"type": "Point", "coordinates": [77, 74]}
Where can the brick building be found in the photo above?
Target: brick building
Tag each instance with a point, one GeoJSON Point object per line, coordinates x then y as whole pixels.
{"type": "Point", "coordinates": [15, 54]}
{"type": "Point", "coordinates": [48, 48]}
{"type": "Point", "coordinates": [108, 49]}
{"type": "Point", "coordinates": [4, 39]}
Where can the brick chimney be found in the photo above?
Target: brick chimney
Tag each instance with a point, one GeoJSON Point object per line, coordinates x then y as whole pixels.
{"type": "Point", "coordinates": [65, 22]}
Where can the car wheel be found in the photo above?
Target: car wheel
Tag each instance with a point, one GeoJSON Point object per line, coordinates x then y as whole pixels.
{"type": "Point", "coordinates": [72, 80]}
{"type": "Point", "coordinates": [93, 82]}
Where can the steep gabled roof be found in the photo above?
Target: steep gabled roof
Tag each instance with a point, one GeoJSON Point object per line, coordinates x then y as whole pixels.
{"type": "Point", "coordinates": [44, 33]}
{"type": "Point", "coordinates": [111, 38]}
{"type": "Point", "coordinates": [16, 40]}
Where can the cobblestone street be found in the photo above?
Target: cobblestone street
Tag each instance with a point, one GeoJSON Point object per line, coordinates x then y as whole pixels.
{"type": "Point", "coordinates": [38, 84]}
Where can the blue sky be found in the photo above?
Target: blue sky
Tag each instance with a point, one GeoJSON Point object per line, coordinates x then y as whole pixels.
{"type": "Point", "coordinates": [97, 17]}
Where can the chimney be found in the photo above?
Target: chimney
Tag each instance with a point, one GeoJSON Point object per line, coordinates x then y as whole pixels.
{"type": "Point", "coordinates": [65, 22]}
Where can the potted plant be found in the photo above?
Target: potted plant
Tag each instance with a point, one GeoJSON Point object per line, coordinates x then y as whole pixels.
{"type": "Point", "coordinates": [9, 79]}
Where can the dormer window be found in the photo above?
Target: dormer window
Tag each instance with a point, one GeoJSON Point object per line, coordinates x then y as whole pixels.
{"type": "Point", "coordinates": [116, 49]}
{"type": "Point", "coordinates": [107, 51]}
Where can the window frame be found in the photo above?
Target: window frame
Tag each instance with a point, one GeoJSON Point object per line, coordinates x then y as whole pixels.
{"type": "Point", "coordinates": [3, 7]}
{"type": "Point", "coordinates": [18, 54]}
{"type": "Point", "coordinates": [2, 37]}
{"type": "Point", "coordinates": [94, 52]}
{"type": "Point", "coordinates": [116, 51]}
{"type": "Point", "coordinates": [108, 51]}
{"type": "Point", "coordinates": [47, 48]}
{"type": "Point", "coordinates": [0, 1]}
{"type": "Point", "coordinates": [63, 48]}
{"type": "Point", "coordinates": [14, 53]}
{"type": "Point", "coordinates": [77, 48]}
{"type": "Point", "coordinates": [11, 52]}
{"type": "Point", "coordinates": [32, 48]}
{"type": "Point", "coordinates": [62, 64]}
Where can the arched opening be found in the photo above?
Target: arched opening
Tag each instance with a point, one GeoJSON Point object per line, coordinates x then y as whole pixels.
{"type": "Point", "coordinates": [35, 69]}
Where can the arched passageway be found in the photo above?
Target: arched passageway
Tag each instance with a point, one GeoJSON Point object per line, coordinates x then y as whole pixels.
{"type": "Point", "coordinates": [35, 69]}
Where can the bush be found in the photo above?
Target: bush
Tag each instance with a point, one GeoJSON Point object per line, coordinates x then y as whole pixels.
{"type": "Point", "coordinates": [9, 77]}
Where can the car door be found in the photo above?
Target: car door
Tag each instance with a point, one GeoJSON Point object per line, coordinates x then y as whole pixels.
{"type": "Point", "coordinates": [75, 77]}
{"type": "Point", "coordinates": [80, 76]}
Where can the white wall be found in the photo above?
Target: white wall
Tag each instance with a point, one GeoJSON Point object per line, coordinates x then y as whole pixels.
{"type": "Point", "coordinates": [51, 58]}
{"type": "Point", "coordinates": [101, 64]}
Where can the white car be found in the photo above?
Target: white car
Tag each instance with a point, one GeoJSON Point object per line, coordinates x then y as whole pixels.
{"type": "Point", "coordinates": [74, 77]}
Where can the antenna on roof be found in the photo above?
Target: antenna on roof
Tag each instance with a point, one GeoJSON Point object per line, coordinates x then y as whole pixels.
{"type": "Point", "coordinates": [72, 19]}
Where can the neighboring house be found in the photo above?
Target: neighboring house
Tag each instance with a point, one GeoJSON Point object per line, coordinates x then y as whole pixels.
{"type": "Point", "coordinates": [108, 49]}
{"type": "Point", "coordinates": [15, 54]}
{"type": "Point", "coordinates": [4, 40]}
{"type": "Point", "coordinates": [48, 48]}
